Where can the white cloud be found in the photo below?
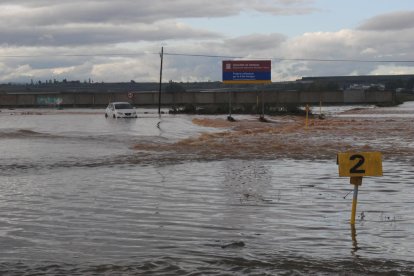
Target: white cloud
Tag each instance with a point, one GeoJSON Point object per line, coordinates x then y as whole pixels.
{"type": "Point", "coordinates": [126, 11]}
{"type": "Point", "coordinates": [63, 70]}
{"type": "Point", "coordinates": [391, 21]}
{"type": "Point", "coordinates": [393, 70]}
{"type": "Point", "coordinates": [142, 70]}
{"type": "Point", "coordinates": [79, 39]}
{"type": "Point", "coordinates": [96, 34]}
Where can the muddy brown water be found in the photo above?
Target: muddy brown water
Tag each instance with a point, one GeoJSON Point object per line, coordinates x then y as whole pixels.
{"type": "Point", "coordinates": [85, 195]}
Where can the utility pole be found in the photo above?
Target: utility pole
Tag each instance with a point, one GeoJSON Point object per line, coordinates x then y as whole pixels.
{"type": "Point", "coordinates": [160, 86]}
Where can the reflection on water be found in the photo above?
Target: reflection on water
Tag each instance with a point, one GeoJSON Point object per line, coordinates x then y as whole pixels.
{"type": "Point", "coordinates": [77, 199]}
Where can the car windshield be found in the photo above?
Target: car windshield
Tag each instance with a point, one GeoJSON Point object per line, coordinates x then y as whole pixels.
{"type": "Point", "coordinates": [123, 106]}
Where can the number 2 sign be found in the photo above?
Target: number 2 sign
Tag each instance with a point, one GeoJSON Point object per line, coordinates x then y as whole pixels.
{"type": "Point", "coordinates": [360, 164]}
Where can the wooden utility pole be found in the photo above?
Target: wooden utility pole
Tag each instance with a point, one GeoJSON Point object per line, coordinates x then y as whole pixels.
{"type": "Point", "coordinates": [160, 86]}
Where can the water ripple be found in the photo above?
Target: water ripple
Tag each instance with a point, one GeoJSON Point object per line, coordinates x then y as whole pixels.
{"type": "Point", "coordinates": [70, 206]}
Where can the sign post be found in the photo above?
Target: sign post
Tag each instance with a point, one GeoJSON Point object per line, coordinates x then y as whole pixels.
{"type": "Point", "coordinates": [356, 166]}
{"type": "Point", "coordinates": [247, 72]}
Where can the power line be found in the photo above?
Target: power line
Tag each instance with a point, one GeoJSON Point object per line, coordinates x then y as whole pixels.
{"type": "Point", "coordinates": [296, 59]}
{"type": "Point", "coordinates": [75, 55]}
{"type": "Point", "coordinates": [344, 60]}
{"type": "Point", "coordinates": [210, 56]}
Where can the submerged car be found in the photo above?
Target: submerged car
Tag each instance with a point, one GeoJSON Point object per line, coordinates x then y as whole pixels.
{"type": "Point", "coordinates": [120, 110]}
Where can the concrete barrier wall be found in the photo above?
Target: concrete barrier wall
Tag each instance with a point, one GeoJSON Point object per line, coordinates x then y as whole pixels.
{"type": "Point", "coordinates": [221, 98]}
{"type": "Point", "coordinates": [356, 96]}
{"type": "Point", "coordinates": [26, 100]}
{"type": "Point", "coordinates": [84, 99]}
{"type": "Point", "coordinates": [309, 97]}
{"type": "Point", "coordinates": [68, 99]}
{"type": "Point", "coordinates": [379, 96]}
{"type": "Point", "coordinates": [196, 98]}
{"type": "Point", "coordinates": [8, 100]}
{"type": "Point", "coordinates": [288, 97]}
{"type": "Point", "coordinates": [204, 98]}
{"type": "Point", "coordinates": [332, 97]}
{"type": "Point", "coordinates": [245, 97]}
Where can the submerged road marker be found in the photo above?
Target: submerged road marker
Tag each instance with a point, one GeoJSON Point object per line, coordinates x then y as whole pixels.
{"type": "Point", "coordinates": [356, 166]}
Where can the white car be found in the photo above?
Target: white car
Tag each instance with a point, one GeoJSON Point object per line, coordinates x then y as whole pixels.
{"type": "Point", "coordinates": [120, 110]}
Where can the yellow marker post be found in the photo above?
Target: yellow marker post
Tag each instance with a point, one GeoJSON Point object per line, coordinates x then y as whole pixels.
{"type": "Point", "coordinates": [354, 239]}
{"type": "Point", "coordinates": [356, 181]}
{"type": "Point", "coordinates": [356, 166]}
{"type": "Point", "coordinates": [307, 116]}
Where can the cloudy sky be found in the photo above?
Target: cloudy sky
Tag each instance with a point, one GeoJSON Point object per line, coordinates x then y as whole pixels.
{"type": "Point", "coordinates": [120, 40]}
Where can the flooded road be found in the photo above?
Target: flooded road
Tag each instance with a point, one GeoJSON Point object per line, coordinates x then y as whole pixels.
{"type": "Point", "coordinates": [191, 195]}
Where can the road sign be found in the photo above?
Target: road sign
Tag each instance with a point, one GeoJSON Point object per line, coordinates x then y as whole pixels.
{"type": "Point", "coordinates": [247, 71]}
{"type": "Point", "coordinates": [360, 164]}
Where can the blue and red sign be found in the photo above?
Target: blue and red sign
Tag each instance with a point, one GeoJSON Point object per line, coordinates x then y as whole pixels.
{"type": "Point", "coordinates": [247, 71]}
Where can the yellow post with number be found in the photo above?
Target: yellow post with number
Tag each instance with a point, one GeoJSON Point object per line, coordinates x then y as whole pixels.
{"type": "Point", "coordinates": [357, 165]}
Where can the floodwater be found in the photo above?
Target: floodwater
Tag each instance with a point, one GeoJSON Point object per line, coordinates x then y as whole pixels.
{"type": "Point", "coordinates": [78, 197]}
